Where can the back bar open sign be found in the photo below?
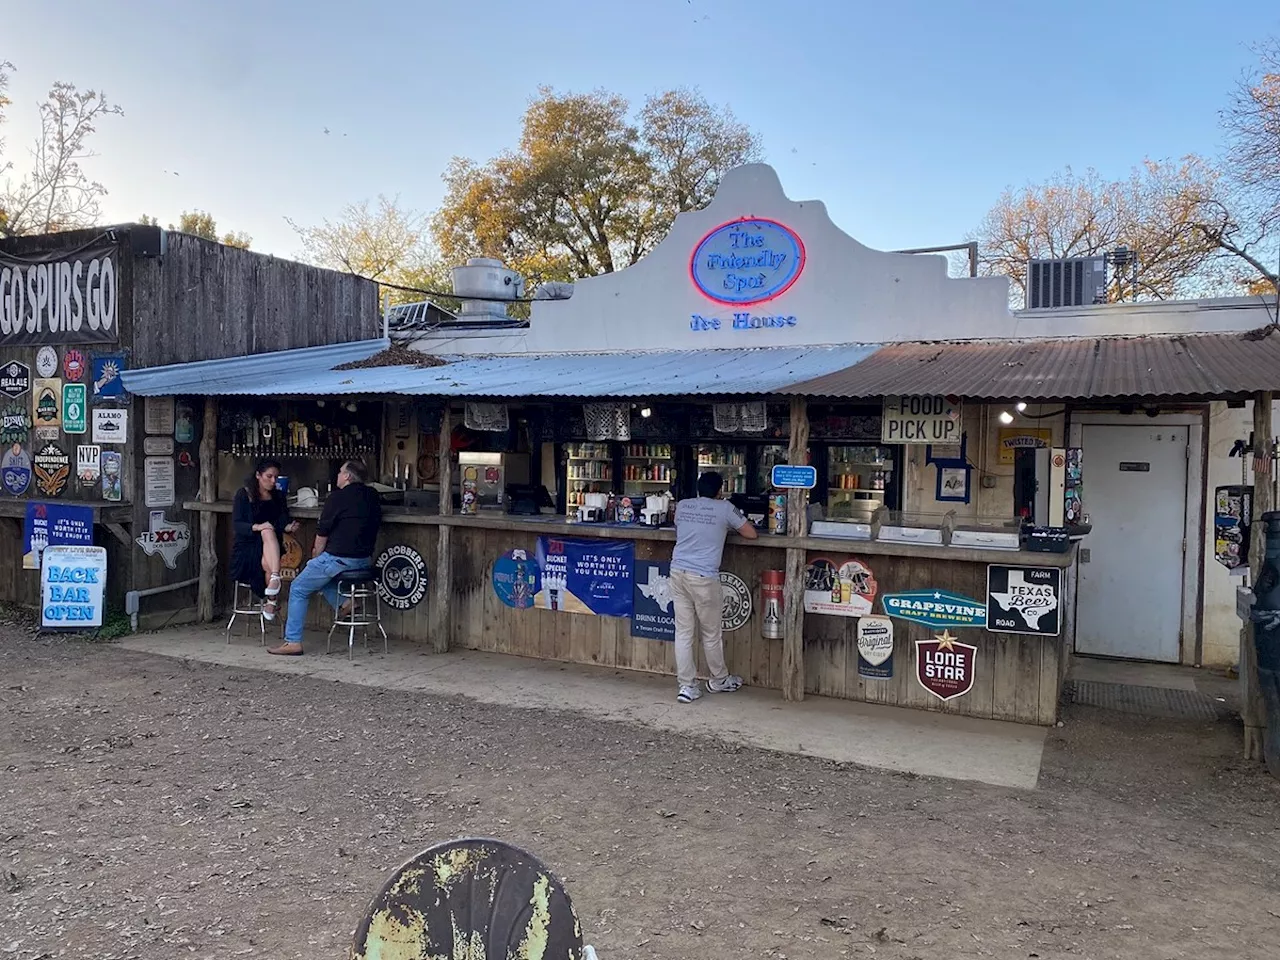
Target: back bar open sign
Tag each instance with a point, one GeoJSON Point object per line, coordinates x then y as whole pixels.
{"type": "Point", "coordinates": [920, 420]}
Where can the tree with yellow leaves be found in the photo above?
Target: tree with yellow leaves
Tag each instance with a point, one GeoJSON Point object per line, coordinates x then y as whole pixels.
{"type": "Point", "coordinates": [589, 190]}
{"type": "Point", "coordinates": [1155, 211]}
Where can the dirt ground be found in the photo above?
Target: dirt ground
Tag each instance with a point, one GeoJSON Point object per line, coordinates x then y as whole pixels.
{"type": "Point", "coordinates": [154, 809]}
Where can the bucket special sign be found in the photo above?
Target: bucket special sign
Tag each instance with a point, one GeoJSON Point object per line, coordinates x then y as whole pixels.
{"type": "Point", "coordinates": [60, 298]}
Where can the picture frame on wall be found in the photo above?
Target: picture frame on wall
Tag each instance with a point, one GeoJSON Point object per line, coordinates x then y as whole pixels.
{"type": "Point", "coordinates": [954, 471]}
{"type": "Point", "coordinates": [953, 483]}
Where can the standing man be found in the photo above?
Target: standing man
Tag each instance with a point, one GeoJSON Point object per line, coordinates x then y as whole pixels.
{"type": "Point", "coordinates": [345, 537]}
{"type": "Point", "coordinates": [701, 526]}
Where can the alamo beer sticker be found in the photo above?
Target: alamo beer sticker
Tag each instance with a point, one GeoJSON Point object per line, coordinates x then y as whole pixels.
{"type": "Point", "coordinates": [945, 666]}
{"type": "Point", "coordinates": [1024, 600]}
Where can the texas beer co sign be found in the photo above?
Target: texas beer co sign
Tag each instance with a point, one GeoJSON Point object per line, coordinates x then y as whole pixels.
{"type": "Point", "coordinates": [945, 666]}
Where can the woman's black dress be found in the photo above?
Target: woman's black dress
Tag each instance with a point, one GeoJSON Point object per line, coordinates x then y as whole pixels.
{"type": "Point", "coordinates": [246, 550]}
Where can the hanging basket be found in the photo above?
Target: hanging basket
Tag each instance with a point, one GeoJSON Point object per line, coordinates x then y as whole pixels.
{"type": "Point", "coordinates": [750, 417]}
{"type": "Point", "coordinates": [489, 417]}
{"type": "Point", "coordinates": [607, 421]}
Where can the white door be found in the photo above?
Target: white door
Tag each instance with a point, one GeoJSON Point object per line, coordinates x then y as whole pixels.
{"type": "Point", "coordinates": [1129, 602]}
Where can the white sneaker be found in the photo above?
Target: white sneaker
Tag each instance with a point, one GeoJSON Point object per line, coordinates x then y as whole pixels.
{"type": "Point", "coordinates": [729, 684]}
{"type": "Point", "coordinates": [688, 694]}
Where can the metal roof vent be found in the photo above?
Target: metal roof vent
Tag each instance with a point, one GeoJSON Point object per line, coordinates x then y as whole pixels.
{"type": "Point", "coordinates": [1072, 282]}
{"type": "Point", "coordinates": [487, 278]}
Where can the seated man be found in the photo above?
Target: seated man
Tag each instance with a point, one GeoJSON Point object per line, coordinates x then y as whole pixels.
{"type": "Point", "coordinates": [345, 537]}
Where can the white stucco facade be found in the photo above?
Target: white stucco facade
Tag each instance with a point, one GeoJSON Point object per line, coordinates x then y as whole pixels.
{"type": "Point", "coordinates": [846, 293]}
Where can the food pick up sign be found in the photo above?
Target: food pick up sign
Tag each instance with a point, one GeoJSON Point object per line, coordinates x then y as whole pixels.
{"type": "Point", "coordinates": [920, 420]}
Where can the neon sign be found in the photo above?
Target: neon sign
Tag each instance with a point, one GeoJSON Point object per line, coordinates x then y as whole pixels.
{"type": "Point", "coordinates": [747, 261]}
{"type": "Point", "coordinates": [741, 321]}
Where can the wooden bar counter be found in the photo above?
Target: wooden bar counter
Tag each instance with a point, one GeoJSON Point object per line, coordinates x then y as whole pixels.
{"type": "Point", "coordinates": [1017, 676]}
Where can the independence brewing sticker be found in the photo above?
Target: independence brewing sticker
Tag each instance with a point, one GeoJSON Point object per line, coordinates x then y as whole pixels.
{"type": "Point", "coordinates": [935, 608]}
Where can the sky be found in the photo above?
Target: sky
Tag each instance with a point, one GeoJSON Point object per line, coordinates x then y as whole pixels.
{"type": "Point", "coordinates": [908, 119]}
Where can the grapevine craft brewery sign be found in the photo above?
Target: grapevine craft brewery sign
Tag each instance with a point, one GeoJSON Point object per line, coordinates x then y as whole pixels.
{"type": "Point", "coordinates": [60, 298]}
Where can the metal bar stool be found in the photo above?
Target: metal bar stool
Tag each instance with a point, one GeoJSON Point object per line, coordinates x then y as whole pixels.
{"type": "Point", "coordinates": [248, 605]}
{"type": "Point", "coordinates": [357, 587]}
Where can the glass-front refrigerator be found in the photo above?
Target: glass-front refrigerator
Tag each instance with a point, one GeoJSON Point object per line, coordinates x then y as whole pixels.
{"type": "Point", "coordinates": [648, 469]}
{"type": "Point", "coordinates": [728, 461]}
{"type": "Point", "coordinates": [770, 454]}
{"type": "Point", "coordinates": [858, 481]}
{"type": "Point", "coordinates": [588, 469]}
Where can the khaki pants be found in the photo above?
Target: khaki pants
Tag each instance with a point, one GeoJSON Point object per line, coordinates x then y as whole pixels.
{"type": "Point", "coordinates": [699, 606]}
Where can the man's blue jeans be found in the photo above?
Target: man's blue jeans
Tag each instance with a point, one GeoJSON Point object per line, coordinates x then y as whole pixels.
{"type": "Point", "coordinates": [318, 576]}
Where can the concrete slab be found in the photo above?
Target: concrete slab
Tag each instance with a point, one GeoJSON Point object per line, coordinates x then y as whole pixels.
{"type": "Point", "coordinates": [1166, 676]}
{"type": "Point", "coordinates": [889, 738]}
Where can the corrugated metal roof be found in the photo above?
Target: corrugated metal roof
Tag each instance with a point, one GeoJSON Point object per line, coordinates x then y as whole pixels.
{"type": "Point", "coordinates": [663, 373]}
{"type": "Point", "coordinates": [1211, 365]}
{"type": "Point", "coordinates": [1206, 366]}
{"type": "Point", "coordinates": [254, 374]}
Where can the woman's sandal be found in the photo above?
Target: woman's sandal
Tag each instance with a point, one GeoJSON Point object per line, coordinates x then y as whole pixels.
{"type": "Point", "coordinates": [272, 591]}
{"type": "Point", "coordinates": [269, 610]}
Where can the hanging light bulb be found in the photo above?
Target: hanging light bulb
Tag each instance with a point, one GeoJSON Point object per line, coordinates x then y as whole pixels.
{"type": "Point", "coordinates": [1006, 416]}
{"type": "Point", "coordinates": [1020, 406]}
{"type": "Point", "coordinates": [646, 412]}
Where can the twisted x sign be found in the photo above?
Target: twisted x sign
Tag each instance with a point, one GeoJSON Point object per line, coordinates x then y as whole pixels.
{"type": "Point", "coordinates": [165, 538]}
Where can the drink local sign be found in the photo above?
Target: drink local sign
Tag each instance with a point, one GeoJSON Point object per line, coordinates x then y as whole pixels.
{"type": "Point", "coordinates": [920, 420]}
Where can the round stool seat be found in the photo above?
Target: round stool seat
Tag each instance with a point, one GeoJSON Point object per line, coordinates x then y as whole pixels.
{"type": "Point", "coordinates": [358, 577]}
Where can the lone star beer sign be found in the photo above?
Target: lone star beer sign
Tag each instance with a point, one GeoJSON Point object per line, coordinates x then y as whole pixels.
{"type": "Point", "coordinates": [945, 666]}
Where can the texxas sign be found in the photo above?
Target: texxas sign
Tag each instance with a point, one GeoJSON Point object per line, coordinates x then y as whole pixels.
{"type": "Point", "coordinates": [920, 420]}
{"type": "Point", "coordinates": [165, 538]}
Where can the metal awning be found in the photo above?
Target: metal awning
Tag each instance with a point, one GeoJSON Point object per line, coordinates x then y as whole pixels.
{"type": "Point", "coordinates": [1208, 366]}
{"type": "Point", "coordinates": [661, 373]}
{"type": "Point", "coordinates": [279, 373]}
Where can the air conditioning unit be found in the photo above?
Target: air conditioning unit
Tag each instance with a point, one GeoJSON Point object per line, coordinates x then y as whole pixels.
{"type": "Point", "coordinates": [1073, 282]}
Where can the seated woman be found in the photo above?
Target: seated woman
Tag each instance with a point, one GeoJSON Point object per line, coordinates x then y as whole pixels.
{"type": "Point", "coordinates": [260, 517]}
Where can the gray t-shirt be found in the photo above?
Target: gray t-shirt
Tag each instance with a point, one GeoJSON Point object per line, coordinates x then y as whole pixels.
{"type": "Point", "coordinates": [701, 526]}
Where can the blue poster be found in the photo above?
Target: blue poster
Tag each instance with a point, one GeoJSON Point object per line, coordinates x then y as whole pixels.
{"type": "Point", "coordinates": [516, 579]}
{"type": "Point", "coordinates": [586, 576]}
{"type": "Point", "coordinates": [106, 377]}
{"type": "Point", "coordinates": [54, 524]}
{"type": "Point", "coordinates": [653, 611]}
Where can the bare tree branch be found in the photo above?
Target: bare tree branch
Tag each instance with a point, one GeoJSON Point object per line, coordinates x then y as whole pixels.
{"type": "Point", "coordinates": [56, 193]}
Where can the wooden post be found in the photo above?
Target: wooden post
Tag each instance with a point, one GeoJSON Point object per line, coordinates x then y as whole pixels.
{"type": "Point", "coordinates": [440, 619]}
{"type": "Point", "coordinates": [793, 590]}
{"type": "Point", "coordinates": [208, 519]}
{"type": "Point", "coordinates": [1253, 710]}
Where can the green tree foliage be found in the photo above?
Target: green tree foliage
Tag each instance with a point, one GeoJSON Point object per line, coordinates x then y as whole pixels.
{"type": "Point", "coordinates": [588, 189]}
